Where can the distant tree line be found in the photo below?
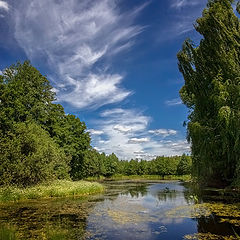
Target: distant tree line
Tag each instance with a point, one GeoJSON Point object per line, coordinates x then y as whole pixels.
{"type": "Point", "coordinates": [98, 164]}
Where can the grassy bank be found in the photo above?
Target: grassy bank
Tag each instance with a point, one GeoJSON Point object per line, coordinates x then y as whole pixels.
{"type": "Point", "coordinates": [142, 177]}
{"type": "Point", "coordinates": [60, 188]}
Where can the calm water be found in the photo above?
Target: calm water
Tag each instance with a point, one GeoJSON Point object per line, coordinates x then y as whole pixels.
{"type": "Point", "coordinates": [127, 210]}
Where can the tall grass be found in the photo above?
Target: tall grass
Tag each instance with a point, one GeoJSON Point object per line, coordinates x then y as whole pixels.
{"type": "Point", "coordinates": [142, 177]}
{"type": "Point", "coordinates": [60, 188]}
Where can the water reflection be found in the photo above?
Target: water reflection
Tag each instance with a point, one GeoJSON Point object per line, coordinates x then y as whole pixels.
{"type": "Point", "coordinates": [127, 210]}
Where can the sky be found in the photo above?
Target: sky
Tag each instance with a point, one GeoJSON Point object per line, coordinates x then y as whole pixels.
{"type": "Point", "coordinates": [112, 63]}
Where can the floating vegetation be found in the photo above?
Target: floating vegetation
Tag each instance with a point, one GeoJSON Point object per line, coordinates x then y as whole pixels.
{"type": "Point", "coordinates": [227, 212]}
{"type": "Point", "coordinates": [122, 217]}
{"type": "Point", "coordinates": [189, 211]}
{"type": "Point", "coordinates": [208, 236]}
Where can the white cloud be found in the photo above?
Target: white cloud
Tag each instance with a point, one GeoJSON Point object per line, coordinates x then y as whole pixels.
{"type": "Point", "coordinates": [138, 140]}
{"type": "Point", "coordinates": [121, 128]}
{"type": "Point", "coordinates": [139, 152]}
{"type": "Point", "coordinates": [173, 102]}
{"type": "Point", "coordinates": [1, 73]}
{"type": "Point", "coordinates": [163, 132]}
{"type": "Point", "coordinates": [182, 16]}
{"type": "Point", "coordinates": [4, 5]}
{"type": "Point", "coordinates": [95, 132]}
{"type": "Point", "coordinates": [94, 91]}
{"type": "Point", "coordinates": [77, 40]}
{"type": "Point", "coordinates": [184, 3]}
{"type": "Point", "coordinates": [126, 134]}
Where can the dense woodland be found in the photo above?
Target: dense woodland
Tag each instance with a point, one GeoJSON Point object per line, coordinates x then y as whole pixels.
{"type": "Point", "coordinates": [39, 142]}
{"type": "Point", "coordinates": [211, 71]}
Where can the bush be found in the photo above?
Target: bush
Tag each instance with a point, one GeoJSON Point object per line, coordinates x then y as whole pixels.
{"type": "Point", "coordinates": [29, 156]}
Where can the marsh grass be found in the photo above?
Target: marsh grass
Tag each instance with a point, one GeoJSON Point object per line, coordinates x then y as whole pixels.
{"type": "Point", "coordinates": [142, 177]}
{"type": "Point", "coordinates": [60, 188]}
{"type": "Point", "coordinates": [7, 233]}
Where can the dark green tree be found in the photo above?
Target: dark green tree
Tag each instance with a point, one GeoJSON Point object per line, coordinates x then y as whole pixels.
{"type": "Point", "coordinates": [185, 165]}
{"type": "Point", "coordinates": [24, 95]}
{"type": "Point", "coordinates": [70, 134]}
{"type": "Point", "coordinates": [211, 72]}
{"type": "Point", "coordinates": [110, 165]}
{"type": "Point", "coordinates": [92, 165]}
{"type": "Point", "coordinates": [29, 156]}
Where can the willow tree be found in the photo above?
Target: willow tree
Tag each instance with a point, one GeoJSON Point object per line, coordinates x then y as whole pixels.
{"type": "Point", "coordinates": [211, 72]}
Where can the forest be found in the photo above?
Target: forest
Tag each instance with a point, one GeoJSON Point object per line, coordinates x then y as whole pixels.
{"type": "Point", "coordinates": [40, 143]}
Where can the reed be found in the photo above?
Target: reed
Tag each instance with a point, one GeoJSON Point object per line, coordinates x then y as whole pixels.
{"type": "Point", "coordinates": [59, 188]}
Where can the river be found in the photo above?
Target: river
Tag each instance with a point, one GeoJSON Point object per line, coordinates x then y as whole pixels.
{"type": "Point", "coordinates": [127, 210]}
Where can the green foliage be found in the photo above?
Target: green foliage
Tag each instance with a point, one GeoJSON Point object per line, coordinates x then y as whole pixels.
{"type": "Point", "coordinates": [212, 92]}
{"type": "Point", "coordinates": [166, 165]}
{"type": "Point", "coordinates": [24, 95]}
{"type": "Point", "coordinates": [110, 165]}
{"type": "Point", "coordinates": [100, 165]}
{"type": "Point", "coordinates": [70, 134]}
{"type": "Point", "coordinates": [29, 156]}
{"type": "Point", "coordinates": [185, 165]}
{"type": "Point", "coordinates": [92, 164]}
{"type": "Point", "coordinates": [58, 188]}
{"type": "Point", "coordinates": [38, 141]}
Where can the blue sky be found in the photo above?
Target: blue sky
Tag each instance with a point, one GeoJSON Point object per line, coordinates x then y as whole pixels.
{"type": "Point", "coordinates": [112, 63]}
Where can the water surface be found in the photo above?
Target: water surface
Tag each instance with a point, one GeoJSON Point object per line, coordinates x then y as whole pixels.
{"type": "Point", "coordinates": [127, 210]}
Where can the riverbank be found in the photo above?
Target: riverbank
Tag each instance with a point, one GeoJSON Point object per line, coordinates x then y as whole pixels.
{"type": "Point", "coordinates": [59, 188]}
{"type": "Point", "coordinates": [140, 177]}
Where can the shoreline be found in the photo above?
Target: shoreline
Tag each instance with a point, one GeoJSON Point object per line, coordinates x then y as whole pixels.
{"type": "Point", "coordinates": [56, 189]}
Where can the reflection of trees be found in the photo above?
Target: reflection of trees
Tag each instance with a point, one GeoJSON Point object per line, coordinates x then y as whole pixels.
{"type": "Point", "coordinates": [193, 193]}
{"type": "Point", "coordinates": [65, 219]}
{"type": "Point", "coordinates": [166, 195]}
{"type": "Point", "coordinates": [138, 190]}
{"type": "Point", "coordinates": [213, 225]}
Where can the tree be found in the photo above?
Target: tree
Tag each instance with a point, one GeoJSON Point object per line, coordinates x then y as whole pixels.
{"type": "Point", "coordinates": [70, 134]}
{"type": "Point", "coordinates": [29, 156]}
{"type": "Point", "coordinates": [110, 165]}
{"type": "Point", "coordinates": [165, 165]}
{"type": "Point", "coordinates": [211, 72]}
{"type": "Point", "coordinates": [92, 165]}
{"type": "Point", "coordinates": [27, 96]}
{"type": "Point", "coordinates": [184, 166]}
{"type": "Point", "coordinates": [24, 95]}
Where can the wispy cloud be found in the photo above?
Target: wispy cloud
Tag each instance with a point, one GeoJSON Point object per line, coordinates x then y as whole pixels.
{"type": "Point", "coordinates": [138, 140]}
{"type": "Point", "coordinates": [173, 102]}
{"type": "Point", "coordinates": [122, 129]}
{"type": "Point", "coordinates": [95, 132]}
{"type": "Point", "coordinates": [184, 3]}
{"type": "Point", "coordinates": [163, 132]}
{"type": "Point", "coordinates": [126, 133]}
{"type": "Point", "coordinates": [182, 16]}
{"type": "Point", "coordinates": [78, 40]}
{"type": "Point", "coordinates": [4, 6]}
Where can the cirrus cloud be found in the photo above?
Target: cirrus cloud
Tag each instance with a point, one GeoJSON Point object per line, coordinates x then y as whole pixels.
{"type": "Point", "coordinates": [4, 5]}
{"type": "Point", "coordinates": [77, 40]}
